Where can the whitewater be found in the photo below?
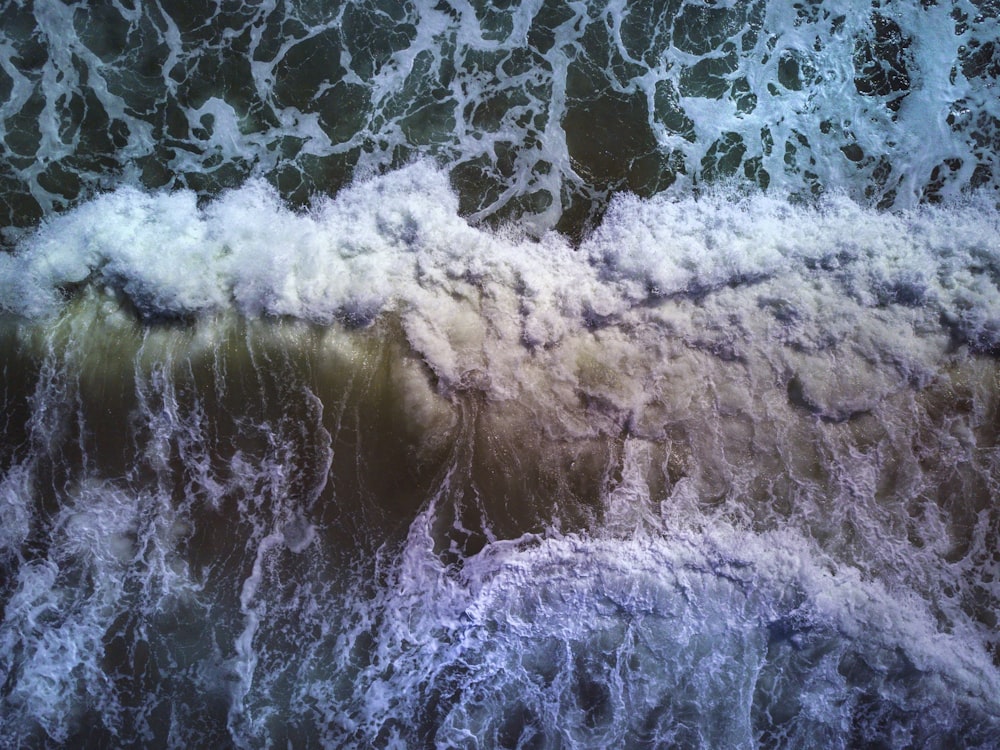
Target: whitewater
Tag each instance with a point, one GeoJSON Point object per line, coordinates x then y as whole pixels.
{"type": "Point", "coordinates": [529, 375]}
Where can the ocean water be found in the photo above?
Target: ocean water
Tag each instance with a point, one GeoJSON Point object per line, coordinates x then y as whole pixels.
{"type": "Point", "coordinates": [500, 375]}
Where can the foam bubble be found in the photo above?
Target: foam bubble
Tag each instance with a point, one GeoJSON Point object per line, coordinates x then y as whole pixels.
{"type": "Point", "coordinates": [686, 636]}
{"type": "Point", "coordinates": [540, 113]}
{"type": "Point", "coordinates": [751, 440]}
{"type": "Point", "coordinates": [397, 243]}
{"type": "Point", "coordinates": [61, 613]}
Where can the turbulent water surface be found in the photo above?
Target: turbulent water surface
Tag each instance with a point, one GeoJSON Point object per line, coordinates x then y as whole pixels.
{"type": "Point", "coordinates": [500, 375]}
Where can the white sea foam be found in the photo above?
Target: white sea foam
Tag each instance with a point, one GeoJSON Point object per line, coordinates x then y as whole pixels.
{"type": "Point", "coordinates": [793, 403]}
{"type": "Point", "coordinates": [62, 609]}
{"type": "Point", "coordinates": [655, 637]}
{"type": "Point", "coordinates": [15, 516]}
{"type": "Point", "coordinates": [397, 244]}
{"type": "Point", "coordinates": [890, 104]}
{"type": "Point", "coordinates": [769, 380]}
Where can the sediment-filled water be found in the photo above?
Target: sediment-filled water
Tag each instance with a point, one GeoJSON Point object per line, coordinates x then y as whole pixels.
{"type": "Point", "coordinates": [540, 375]}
